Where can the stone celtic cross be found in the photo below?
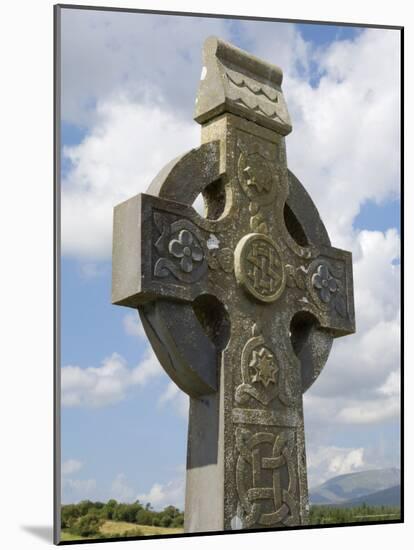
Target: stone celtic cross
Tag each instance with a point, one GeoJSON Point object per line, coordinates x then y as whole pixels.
{"type": "Point", "coordinates": [240, 305]}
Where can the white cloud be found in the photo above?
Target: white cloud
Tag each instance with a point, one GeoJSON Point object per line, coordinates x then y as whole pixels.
{"type": "Point", "coordinates": [110, 383]}
{"type": "Point", "coordinates": [92, 270]}
{"type": "Point", "coordinates": [324, 462]}
{"type": "Point", "coordinates": [367, 412]}
{"type": "Point", "coordinates": [148, 368]}
{"type": "Point", "coordinates": [118, 158]}
{"type": "Point", "coordinates": [335, 147]}
{"type": "Point", "coordinates": [162, 495]}
{"type": "Point", "coordinates": [177, 398]}
{"type": "Point", "coordinates": [76, 489]}
{"type": "Point", "coordinates": [71, 466]}
{"type": "Point", "coordinates": [355, 386]}
{"type": "Point", "coordinates": [278, 43]}
{"type": "Point", "coordinates": [121, 490]}
{"type": "Point", "coordinates": [104, 52]}
{"type": "Point", "coordinates": [133, 325]}
{"type": "Point", "coordinates": [391, 386]}
{"type": "Point", "coordinates": [107, 384]}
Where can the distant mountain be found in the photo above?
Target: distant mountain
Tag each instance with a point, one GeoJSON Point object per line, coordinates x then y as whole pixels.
{"type": "Point", "coordinates": [387, 497]}
{"type": "Point", "coordinates": [351, 487]}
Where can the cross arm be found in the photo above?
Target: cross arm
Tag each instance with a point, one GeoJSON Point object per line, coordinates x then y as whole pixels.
{"type": "Point", "coordinates": [323, 287]}
{"type": "Point", "coordinates": [322, 307]}
{"type": "Point", "coordinates": [330, 290]}
{"type": "Point", "coordinates": [159, 251]}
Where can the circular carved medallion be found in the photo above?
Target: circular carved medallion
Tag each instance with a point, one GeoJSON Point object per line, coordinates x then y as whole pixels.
{"type": "Point", "coordinates": [259, 268]}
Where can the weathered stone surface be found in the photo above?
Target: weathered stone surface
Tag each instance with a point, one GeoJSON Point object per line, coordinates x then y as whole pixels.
{"type": "Point", "coordinates": [242, 305]}
{"type": "Point", "coordinates": [235, 82]}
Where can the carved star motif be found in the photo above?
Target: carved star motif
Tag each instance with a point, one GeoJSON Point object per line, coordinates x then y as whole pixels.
{"type": "Point", "coordinates": [262, 184]}
{"type": "Point", "coordinates": [264, 365]}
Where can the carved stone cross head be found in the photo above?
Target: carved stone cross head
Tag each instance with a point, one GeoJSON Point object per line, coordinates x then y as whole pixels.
{"type": "Point", "coordinates": [241, 305]}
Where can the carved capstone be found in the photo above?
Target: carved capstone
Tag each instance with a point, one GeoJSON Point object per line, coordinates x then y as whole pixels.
{"type": "Point", "coordinates": [241, 306]}
{"type": "Point", "coordinates": [235, 82]}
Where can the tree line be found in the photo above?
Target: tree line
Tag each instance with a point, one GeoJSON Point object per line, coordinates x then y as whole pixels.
{"type": "Point", "coordinates": [86, 517]}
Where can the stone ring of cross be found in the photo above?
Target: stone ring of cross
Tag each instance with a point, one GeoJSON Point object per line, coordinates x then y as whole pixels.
{"type": "Point", "coordinates": [241, 305]}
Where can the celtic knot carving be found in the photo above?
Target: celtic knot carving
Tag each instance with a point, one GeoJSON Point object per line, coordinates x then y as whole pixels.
{"type": "Point", "coordinates": [262, 458]}
{"type": "Point", "coordinates": [259, 267]}
{"type": "Point", "coordinates": [263, 270]}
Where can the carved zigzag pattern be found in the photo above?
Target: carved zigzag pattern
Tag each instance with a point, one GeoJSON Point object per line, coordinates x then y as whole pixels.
{"type": "Point", "coordinates": [254, 89]}
{"type": "Point", "coordinates": [259, 109]}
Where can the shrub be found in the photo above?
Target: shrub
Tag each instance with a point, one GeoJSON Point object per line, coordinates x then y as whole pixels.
{"type": "Point", "coordinates": [69, 515]}
{"type": "Point", "coordinates": [144, 517]}
{"type": "Point", "coordinates": [166, 521]}
{"type": "Point", "coordinates": [87, 525]}
{"type": "Point", "coordinates": [109, 509]}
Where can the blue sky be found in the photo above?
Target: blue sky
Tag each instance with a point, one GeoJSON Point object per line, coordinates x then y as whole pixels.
{"type": "Point", "coordinates": [124, 423]}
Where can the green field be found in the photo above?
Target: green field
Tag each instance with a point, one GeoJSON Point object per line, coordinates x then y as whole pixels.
{"type": "Point", "coordinates": [111, 527]}
{"type": "Point", "coordinates": [88, 520]}
{"type": "Point", "coordinates": [114, 529]}
{"type": "Point", "coordinates": [324, 515]}
{"type": "Point", "coordinates": [65, 535]}
{"type": "Point", "coordinates": [96, 520]}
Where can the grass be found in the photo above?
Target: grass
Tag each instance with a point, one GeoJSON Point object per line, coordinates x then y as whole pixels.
{"type": "Point", "coordinates": [123, 529]}
{"type": "Point", "coordinates": [320, 515]}
{"type": "Point", "coordinates": [65, 535]}
{"type": "Point", "coordinates": [110, 527]}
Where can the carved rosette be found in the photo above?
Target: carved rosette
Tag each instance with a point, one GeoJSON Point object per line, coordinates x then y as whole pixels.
{"type": "Point", "coordinates": [181, 249]}
{"type": "Point", "coordinates": [262, 460]}
{"type": "Point", "coordinates": [325, 284]}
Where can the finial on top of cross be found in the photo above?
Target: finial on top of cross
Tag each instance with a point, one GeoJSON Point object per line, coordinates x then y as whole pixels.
{"type": "Point", "coordinates": [234, 81]}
